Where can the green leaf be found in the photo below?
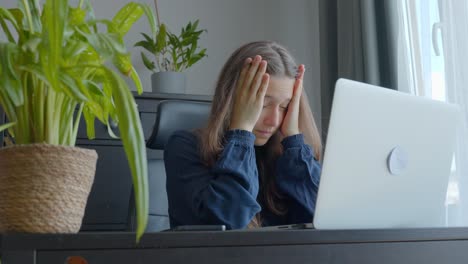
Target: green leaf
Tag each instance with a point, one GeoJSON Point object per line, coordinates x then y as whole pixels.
{"type": "Point", "coordinates": [31, 44]}
{"type": "Point", "coordinates": [161, 38]}
{"type": "Point", "coordinates": [146, 45]}
{"type": "Point", "coordinates": [127, 16]}
{"type": "Point", "coordinates": [6, 126]}
{"type": "Point", "coordinates": [105, 44]}
{"type": "Point", "coordinates": [195, 58]}
{"type": "Point", "coordinates": [195, 25]}
{"type": "Point", "coordinates": [56, 13]}
{"type": "Point", "coordinates": [110, 131]}
{"type": "Point", "coordinates": [71, 87]}
{"type": "Point", "coordinates": [18, 15]}
{"type": "Point", "coordinates": [77, 16]}
{"type": "Point", "coordinates": [136, 80]}
{"type": "Point", "coordinates": [30, 9]}
{"type": "Point", "coordinates": [123, 63]}
{"type": "Point", "coordinates": [189, 26]}
{"type": "Point", "coordinates": [148, 38]}
{"type": "Point", "coordinates": [6, 15]}
{"type": "Point", "coordinates": [133, 141]}
{"type": "Point", "coordinates": [174, 41]}
{"type": "Point", "coordinates": [76, 125]}
{"type": "Point", "coordinates": [93, 87]}
{"type": "Point", "coordinates": [151, 19]}
{"type": "Point", "coordinates": [74, 49]}
{"type": "Point", "coordinates": [9, 80]}
{"type": "Point", "coordinates": [36, 71]}
{"type": "Point", "coordinates": [89, 119]}
{"type": "Point", "coordinates": [147, 62]}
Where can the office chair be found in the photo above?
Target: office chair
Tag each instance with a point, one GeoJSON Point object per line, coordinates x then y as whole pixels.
{"type": "Point", "coordinates": [172, 115]}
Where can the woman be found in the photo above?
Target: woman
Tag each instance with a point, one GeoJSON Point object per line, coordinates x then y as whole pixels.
{"type": "Point", "coordinates": [256, 162]}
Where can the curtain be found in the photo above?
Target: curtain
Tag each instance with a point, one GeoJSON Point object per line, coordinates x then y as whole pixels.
{"type": "Point", "coordinates": [357, 42]}
{"type": "Point", "coordinates": [365, 42]}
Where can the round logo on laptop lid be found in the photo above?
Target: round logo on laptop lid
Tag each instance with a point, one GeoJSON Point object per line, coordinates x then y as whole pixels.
{"type": "Point", "coordinates": [397, 160]}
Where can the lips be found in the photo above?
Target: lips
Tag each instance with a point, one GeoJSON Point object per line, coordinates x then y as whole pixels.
{"type": "Point", "coordinates": [264, 133]}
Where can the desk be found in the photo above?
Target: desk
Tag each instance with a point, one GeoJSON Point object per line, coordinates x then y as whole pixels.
{"type": "Point", "coordinates": [448, 245]}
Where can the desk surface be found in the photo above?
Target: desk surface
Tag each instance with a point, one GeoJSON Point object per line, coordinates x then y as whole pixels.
{"type": "Point", "coordinates": [445, 245]}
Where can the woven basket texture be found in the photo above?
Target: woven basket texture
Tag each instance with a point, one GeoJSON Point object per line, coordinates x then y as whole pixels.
{"type": "Point", "coordinates": [44, 188]}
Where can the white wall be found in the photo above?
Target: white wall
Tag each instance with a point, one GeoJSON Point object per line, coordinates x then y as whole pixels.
{"type": "Point", "coordinates": [231, 23]}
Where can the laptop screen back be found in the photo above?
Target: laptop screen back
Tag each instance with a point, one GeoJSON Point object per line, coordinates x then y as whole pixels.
{"type": "Point", "coordinates": [387, 160]}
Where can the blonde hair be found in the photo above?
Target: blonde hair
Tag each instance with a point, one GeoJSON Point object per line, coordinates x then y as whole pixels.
{"type": "Point", "coordinates": [280, 64]}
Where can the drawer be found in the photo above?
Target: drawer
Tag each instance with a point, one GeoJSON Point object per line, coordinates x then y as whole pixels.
{"type": "Point", "coordinates": [109, 200]}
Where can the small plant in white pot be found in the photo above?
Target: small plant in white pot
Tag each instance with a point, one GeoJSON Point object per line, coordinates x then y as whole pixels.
{"type": "Point", "coordinates": [171, 54]}
{"type": "Point", "coordinates": [54, 70]}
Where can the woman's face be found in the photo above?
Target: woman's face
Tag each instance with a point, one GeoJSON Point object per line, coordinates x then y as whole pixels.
{"type": "Point", "coordinates": [275, 106]}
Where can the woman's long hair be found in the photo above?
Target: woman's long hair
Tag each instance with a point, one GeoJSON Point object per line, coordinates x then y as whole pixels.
{"type": "Point", "coordinates": [280, 64]}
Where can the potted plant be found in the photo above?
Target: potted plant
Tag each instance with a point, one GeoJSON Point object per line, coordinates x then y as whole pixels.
{"type": "Point", "coordinates": [171, 55]}
{"type": "Point", "coordinates": [54, 70]}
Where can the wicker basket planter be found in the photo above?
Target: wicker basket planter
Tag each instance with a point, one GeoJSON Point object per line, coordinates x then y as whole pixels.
{"type": "Point", "coordinates": [44, 188]}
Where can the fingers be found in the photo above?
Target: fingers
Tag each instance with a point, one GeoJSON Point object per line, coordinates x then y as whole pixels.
{"type": "Point", "coordinates": [298, 82]}
{"type": "Point", "coordinates": [251, 73]}
{"type": "Point", "coordinates": [300, 72]}
{"type": "Point", "coordinates": [245, 69]}
{"type": "Point", "coordinates": [263, 87]}
{"type": "Point", "coordinates": [258, 79]}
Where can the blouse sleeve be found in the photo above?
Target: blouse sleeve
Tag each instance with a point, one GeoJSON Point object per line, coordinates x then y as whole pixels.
{"type": "Point", "coordinates": [223, 194]}
{"type": "Point", "coordinates": [298, 176]}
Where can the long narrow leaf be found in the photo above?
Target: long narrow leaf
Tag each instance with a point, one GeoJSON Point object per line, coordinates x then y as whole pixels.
{"type": "Point", "coordinates": [89, 119]}
{"type": "Point", "coordinates": [51, 48]}
{"type": "Point", "coordinates": [30, 9]}
{"type": "Point", "coordinates": [10, 80]}
{"type": "Point", "coordinates": [133, 141]}
{"type": "Point", "coordinates": [151, 19]}
{"type": "Point", "coordinates": [127, 16]}
{"type": "Point", "coordinates": [76, 125]}
{"type": "Point", "coordinates": [71, 87]}
{"type": "Point", "coordinates": [6, 15]}
{"type": "Point", "coordinates": [161, 38]}
{"type": "Point", "coordinates": [147, 62]}
{"type": "Point", "coordinates": [136, 80]}
{"type": "Point", "coordinates": [105, 44]}
{"type": "Point", "coordinates": [5, 126]}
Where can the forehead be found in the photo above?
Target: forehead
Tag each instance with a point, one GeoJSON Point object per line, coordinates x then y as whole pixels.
{"type": "Point", "coordinates": [280, 89]}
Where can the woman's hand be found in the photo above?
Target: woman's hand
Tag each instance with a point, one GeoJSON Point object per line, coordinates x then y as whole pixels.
{"type": "Point", "coordinates": [250, 93]}
{"type": "Point", "coordinates": [290, 125]}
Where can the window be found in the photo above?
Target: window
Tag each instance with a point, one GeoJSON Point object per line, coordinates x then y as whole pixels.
{"type": "Point", "coordinates": [433, 62]}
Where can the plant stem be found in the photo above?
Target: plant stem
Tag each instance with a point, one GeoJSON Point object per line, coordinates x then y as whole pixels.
{"type": "Point", "coordinates": [49, 118]}
{"type": "Point", "coordinates": [157, 11]}
{"type": "Point", "coordinates": [39, 97]}
{"type": "Point", "coordinates": [28, 122]}
{"type": "Point", "coordinates": [76, 125]}
{"type": "Point", "coordinates": [59, 117]}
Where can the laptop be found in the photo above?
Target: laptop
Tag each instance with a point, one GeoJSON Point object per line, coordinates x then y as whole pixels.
{"type": "Point", "coordinates": [387, 160]}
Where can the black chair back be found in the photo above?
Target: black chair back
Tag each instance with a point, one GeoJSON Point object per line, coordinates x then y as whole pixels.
{"type": "Point", "coordinates": [172, 115]}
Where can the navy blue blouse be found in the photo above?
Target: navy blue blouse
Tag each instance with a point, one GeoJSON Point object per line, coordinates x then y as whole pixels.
{"type": "Point", "coordinates": [227, 192]}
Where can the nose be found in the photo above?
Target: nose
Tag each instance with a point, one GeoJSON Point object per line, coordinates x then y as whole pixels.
{"type": "Point", "coordinates": [273, 118]}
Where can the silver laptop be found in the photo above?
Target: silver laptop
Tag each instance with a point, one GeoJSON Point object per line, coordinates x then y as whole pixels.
{"type": "Point", "coordinates": [387, 160]}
